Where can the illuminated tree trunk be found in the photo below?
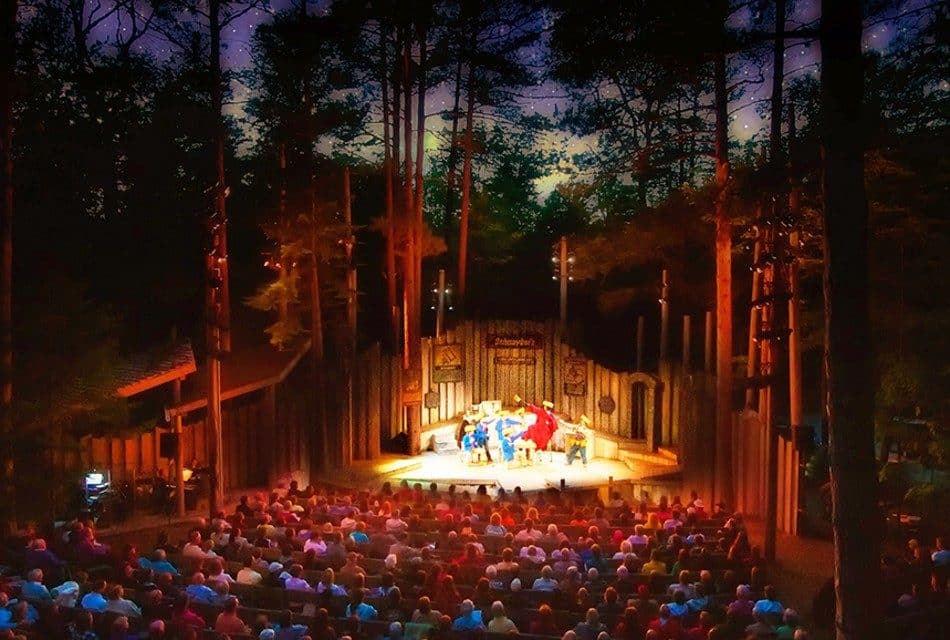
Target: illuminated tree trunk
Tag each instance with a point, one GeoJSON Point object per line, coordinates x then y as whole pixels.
{"type": "Point", "coordinates": [7, 67]}
{"type": "Point", "coordinates": [466, 186]}
{"type": "Point", "coordinates": [391, 300]}
{"type": "Point", "coordinates": [724, 489]}
{"type": "Point", "coordinates": [412, 387]}
{"type": "Point", "coordinates": [848, 361]}
{"type": "Point", "coordinates": [220, 330]}
{"type": "Point", "coordinates": [420, 186]}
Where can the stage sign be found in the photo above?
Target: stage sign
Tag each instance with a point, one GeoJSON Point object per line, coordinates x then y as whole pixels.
{"type": "Point", "coordinates": [575, 377]}
{"type": "Point", "coordinates": [448, 364]}
{"type": "Point", "coordinates": [515, 360]}
{"type": "Point", "coordinates": [522, 341]}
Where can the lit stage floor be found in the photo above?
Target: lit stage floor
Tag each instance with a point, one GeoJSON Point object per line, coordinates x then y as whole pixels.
{"type": "Point", "coordinates": [446, 469]}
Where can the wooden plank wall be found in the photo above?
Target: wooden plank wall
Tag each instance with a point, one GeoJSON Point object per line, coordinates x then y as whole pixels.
{"type": "Point", "coordinates": [486, 379]}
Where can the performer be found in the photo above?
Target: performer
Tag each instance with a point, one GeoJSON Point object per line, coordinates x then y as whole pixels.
{"type": "Point", "coordinates": [544, 426]}
{"type": "Point", "coordinates": [577, 442]}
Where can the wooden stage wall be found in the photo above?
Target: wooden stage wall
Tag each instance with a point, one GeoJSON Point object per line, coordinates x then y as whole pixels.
{"type": "Point", "coordinates": [496, 359]}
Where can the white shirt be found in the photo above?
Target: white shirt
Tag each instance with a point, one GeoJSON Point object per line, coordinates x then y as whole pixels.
{"type": "Point", "coordinates": [249, 576]}
{"type": "Point", "coordinates": [191, 550]}
{"type": "Point", "coordinates": [538, 557]}
{"type": "Point", "coordinates": [544, 584]}
{"type": "Point", "coordinates": [528, 536]}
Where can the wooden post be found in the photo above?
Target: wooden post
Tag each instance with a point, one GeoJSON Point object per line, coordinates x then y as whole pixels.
{"type": "Point", "coordinates": [179, 453]}
{"type": "Point", "coordinates": [664, 316]}
{"type": "Point", "coordinates": [640, 322]}
{"type": "Point", "coordinates": [708, 355]}
{"type": "Point", "coordinates": [440, 308]}
{"type": "Point", "coordinates": [564, 273]}
{"type": "Point", "coordinates": [686, 345]}
{"type": "Point", "coordinates": [752, 363]}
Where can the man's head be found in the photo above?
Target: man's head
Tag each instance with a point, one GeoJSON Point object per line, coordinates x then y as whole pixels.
{"type": "Point", "coordinates": [36, 575]}
{"type": "Point", "coordinates": [497, 609]}
{"type": "Point", "coordinates": [467, 607]}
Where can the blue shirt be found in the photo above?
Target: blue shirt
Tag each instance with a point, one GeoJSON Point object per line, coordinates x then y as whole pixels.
{"type": "Point", "coordinates": [6, 619]}
{"type": "Point", "coordinates": [158, 566]}
{"type": "Point", "coordinates": [470, 622]}
{"type": "Point", "coordinates": [201, 593]}
{"type": "Point", "coordinates": [359, 537]}
{"type": "Point", "coordinates": [363, 611]}
{"type": "Point", "coordinates": [766, 607]}
{"type": "Point", "coordinates": [93, 601]}
{"type": "Point", "coordinates": [35, 591]}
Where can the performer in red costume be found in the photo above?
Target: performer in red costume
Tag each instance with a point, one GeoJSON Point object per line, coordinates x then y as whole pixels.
{"type": "Point", "coordinates": [545, 424]}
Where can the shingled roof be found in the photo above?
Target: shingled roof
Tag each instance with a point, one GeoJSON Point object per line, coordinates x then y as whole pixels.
{"type": "Point", "coordinates": [242, 372]}
{"type": "Point", "coordinates": [147, 371]}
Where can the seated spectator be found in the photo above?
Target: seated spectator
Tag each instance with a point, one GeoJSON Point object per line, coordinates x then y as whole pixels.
{"type": "Point", "coordinates": [591, 627]}
{"type": "Point", "coordinates": [470, 619]}
{"type": "Point", "coordinates": [654, 565]}
{"type": "Point", "coordinates": [677, 607]}
{"type": "Point", "coordinates": [626, 549]}
{"type": "Point", "coordinates": [703, 626]}
{"type": "Point", "coordinates": [508, 563]}
{"type": "Point", "coordinates": [699, 602]}
{"type": "Point", "coordinates": [228, 621]}
{"type": "Point", "coordinates": [193, 548]}
{"type": "Point", "coordinates": [286, 629]}
{"type": "Point", "coordinates": [315, 544]}
{"type": "Point", "coordinates": [358, 536]}
{"type": "Point", "coordinates": [500, 623]}
{"type": "Point", "coordinates": [629, 626]}
{"type": "Point", "coordinates": [159, 563]}
{"type": "Point", "coordinates": [790, 625]}
{"type": "Point", "coordinates": [95, 600]}
{"type": "Point", "coordinates": [216, 573]}
{"type": "Point", "coordinates": [529, 534]}
{"type": "Point", "coordinates": [328, 586]}
{"type": "Point", "coordinates": [295, 580]}
{"type": "Point", "coordinates": [119, 604]}
{"type": "Point", "coordinates": [33, 589]}
{"type": "Point", "coordinates": [198, 591]}
{"type": "Point", "coordinates": [80, 628]}
{"type": "Point", "coordinates": [183, 617]}
{"type": "Point", "coordinates": [547, 581]}
{"type": "Point", "coordinates": [941, 555]}
{"type": "Point", "coordinates": [610, 604]}
{"type": "Point", "coordinates": [424, 613]}
{"type": "Point", "coordinates": [249, 574]}
{"type": "Point", "coordinates": [120, 630]}
{"type": "Point", "coordinates": [156, 630]}
{"type": "Point", "coordinates": [683, 584]}
{"type": "Point", "coordinates": [351, 569]}
{"type": "Point", "coordinates": [665, 625]}
{"type": "Point", "coordinates": [544, 624]}
{"type": "Point", "coordinates": [743, 604]}
{"type": "Point", "coordinates": [639, 539]}
{"type": "Point", "coordinates": [761, 628]}
{"type": "Point", "coordinates": [533, 554]}
{"type": "Point", "coordinates": [359, 609]}
{"type": "Point", "coordinates": [495, 527]}
{"type": "Point", "coordinates": [39, 557]}
{"type": "Point", "coordinates": [769, 605]}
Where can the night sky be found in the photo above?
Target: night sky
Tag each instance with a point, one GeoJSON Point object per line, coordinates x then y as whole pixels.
{"type": "Point", "coordinates": [802, 58]}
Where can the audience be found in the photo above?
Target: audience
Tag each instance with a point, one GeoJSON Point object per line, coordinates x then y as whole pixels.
{"type": "Point", "coordinates": [414, 563]}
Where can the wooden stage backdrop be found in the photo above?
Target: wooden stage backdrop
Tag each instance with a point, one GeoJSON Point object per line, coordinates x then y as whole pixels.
{"type": "Point", "coordinates": [497, 359]}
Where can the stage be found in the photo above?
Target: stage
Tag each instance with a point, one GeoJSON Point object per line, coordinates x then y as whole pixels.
{"type": "Point", "coordinates": [448, 468]}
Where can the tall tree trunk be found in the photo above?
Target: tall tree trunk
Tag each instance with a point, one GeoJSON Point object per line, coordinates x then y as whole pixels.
{"type": "Point", "coordinates": [848, 361]}
{"type": "Point", "coordinates": [8, 12]}
{"type": "Point", "coordinates": [467, 151]}
{"type": "Point", "coordinates": [453, 149]}
{"type": "Point", "coordinates": [328, 452]}
{"type": "Point", "coordinates": [778, 309]}
{"type": "Point", "coordinates": [220, 342]}
{"type": "Point", "coordinates": [397, 94]}
{"type": "Point", "coordinates": [418, 224]}
{"type": "Point", "coordinates": [391, 300]}
{"type": "Point", "coordinates": [412, 355]}
{"type": "Point", "coordinates": [724, 474]}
